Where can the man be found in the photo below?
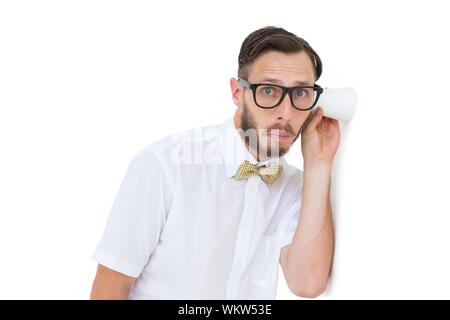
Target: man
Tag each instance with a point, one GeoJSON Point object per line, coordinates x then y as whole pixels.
{"type": "Point", "coordinates": [211, 217]}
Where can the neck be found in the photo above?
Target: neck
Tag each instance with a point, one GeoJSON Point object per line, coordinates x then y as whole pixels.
{"type": "Point", "coordinates": [237, 126]}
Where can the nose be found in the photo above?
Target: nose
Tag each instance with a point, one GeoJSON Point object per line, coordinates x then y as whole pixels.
{"type": "Point", "coordinates": [284, 110]}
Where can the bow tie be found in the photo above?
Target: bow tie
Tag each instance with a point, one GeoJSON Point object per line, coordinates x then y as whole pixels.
{"type": "Point", "coordinates": [268, 174]}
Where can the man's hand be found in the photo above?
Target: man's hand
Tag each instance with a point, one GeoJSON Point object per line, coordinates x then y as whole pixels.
{"type": "Point", "coordinates": [320, 138]}
{"type": "Point", "coordinates": [110, 285]}
{"type": "Point", "coordinates": [306, 261]}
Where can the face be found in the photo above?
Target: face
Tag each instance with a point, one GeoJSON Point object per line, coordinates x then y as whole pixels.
{"type": "Point", "coordinates": [278, 128]}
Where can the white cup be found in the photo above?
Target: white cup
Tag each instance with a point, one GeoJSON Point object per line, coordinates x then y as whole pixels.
{"type": "Point", "coordinates": [339, 104]}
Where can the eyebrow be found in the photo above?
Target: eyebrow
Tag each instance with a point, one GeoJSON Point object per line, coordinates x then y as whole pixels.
{"type": "Point", "coordinates": [300, 83]}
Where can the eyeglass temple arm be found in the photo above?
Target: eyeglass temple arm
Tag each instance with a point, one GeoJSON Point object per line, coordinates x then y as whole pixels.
{"type": "Point", "coordinates": [244, 83]}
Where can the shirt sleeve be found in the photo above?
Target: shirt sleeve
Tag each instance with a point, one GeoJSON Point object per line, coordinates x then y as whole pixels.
{"type": "Point", "coordinates": [292, 216]}
{"type": "Point", "coordinates": [137, 216]}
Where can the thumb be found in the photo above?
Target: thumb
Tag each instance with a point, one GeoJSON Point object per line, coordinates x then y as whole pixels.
{"type": "Point", "coordinates": [312, 121]}
{"type": "Point", "coordinates": [318, 114]}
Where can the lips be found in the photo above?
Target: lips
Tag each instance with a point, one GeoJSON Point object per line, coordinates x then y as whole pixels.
{"type": "Point", "coordinates": [280, 134]}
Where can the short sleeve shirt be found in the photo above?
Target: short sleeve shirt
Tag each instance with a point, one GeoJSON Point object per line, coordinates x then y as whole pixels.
{"type": "Point", "coordinates": [186, 229]}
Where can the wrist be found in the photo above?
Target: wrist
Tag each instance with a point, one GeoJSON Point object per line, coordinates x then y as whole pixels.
{"type": "Point", "coordinates": [317, 164]}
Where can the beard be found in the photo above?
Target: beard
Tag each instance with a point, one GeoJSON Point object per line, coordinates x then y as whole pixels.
{"type": "Point", "coordinates": [262, 146]}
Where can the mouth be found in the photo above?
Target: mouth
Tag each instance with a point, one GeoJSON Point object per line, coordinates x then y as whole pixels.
{"type": "Point", "coordinates": [279, 135]}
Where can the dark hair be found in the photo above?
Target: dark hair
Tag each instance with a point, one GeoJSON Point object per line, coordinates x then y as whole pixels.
{"type": "Point", "coordinates": [277, 39]}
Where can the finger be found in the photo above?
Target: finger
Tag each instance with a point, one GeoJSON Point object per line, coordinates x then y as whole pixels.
{"type": "Point", "coordinates": [307, 121]}
{"type": "Point", "coordinates": [311, 123]}
{"type": "Point", "coordinates": [313, 119]}
{"type": "Point", "coordinates": [318, 109]}
{"type": "Point", "coordinates": [318, 114]}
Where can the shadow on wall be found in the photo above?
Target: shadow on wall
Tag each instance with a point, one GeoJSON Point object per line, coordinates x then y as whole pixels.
{"type": "Point", "coordinates": [337, 174]}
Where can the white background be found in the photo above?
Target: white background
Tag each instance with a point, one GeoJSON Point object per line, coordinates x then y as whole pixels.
{"type": "Point", "coordinates": [84, 85]}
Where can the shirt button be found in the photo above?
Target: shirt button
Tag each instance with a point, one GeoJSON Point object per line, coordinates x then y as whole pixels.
{"type": "Point", "coordinates": [252, 189]}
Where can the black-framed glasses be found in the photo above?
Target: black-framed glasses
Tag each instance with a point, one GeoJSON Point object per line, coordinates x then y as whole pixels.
{"type": "Point", "coordinates": [269, 95]}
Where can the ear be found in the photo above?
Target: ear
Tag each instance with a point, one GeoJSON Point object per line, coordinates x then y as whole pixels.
{"type": "Point", "coordinates": [236, 92]}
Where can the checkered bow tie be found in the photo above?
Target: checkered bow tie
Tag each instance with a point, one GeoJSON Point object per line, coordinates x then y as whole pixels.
{"type": "Point", "coordinates": [268, 174]}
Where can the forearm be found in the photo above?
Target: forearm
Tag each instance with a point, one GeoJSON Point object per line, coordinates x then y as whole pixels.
{"type": "Point", "coordinates": [311, 250]}
{"type": "Point", "coordinates": [110, 285]}
{"type": "Point", "coordinates": [103, 292]}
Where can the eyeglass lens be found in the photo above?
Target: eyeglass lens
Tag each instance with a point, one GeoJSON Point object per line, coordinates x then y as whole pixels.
{"type": "Point", "coordinates": [269, 96]}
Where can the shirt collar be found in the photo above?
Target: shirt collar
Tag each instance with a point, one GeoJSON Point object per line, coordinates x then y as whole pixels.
{"type": "Point", "coordinates": [235, 152]}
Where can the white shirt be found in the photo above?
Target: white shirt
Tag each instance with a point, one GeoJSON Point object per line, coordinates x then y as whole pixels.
{"type": "Point", "coordinates": [192, 231]}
